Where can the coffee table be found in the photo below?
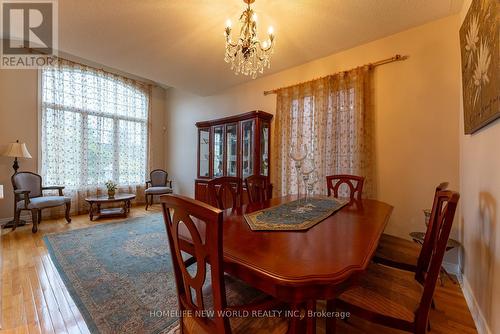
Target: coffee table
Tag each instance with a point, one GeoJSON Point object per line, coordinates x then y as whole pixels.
{"type": "Point", "coordinates": [95, 203]}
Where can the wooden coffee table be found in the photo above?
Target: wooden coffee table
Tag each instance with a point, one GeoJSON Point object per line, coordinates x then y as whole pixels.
{"type": "Point", "coordinates": [95, 203]}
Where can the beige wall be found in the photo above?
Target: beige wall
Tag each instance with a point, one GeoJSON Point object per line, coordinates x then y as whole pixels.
{"type": "Point", "coordinates": [417, 103]}
{"type": "Point", "coordinates": [19, 120]}
{"type": "Point", "coordinates": [480, 203]}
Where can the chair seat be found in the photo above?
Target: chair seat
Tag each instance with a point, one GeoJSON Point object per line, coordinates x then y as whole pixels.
{"type": "Point", "coordinates": [158, 190]}
{"type": "Point", "coordinates": [385, 291]}
{"type": "Point", "coordinates": [397, 252]}
{"type": "Point", "coordinates": [239, 293]}
{"type": "Point", "coordinates": [44, 202]}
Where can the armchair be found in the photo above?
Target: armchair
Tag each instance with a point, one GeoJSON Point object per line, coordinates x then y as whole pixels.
{"type": "Point", "coordinates": [28, 193]}
{"type": "Point", "coordinates": [158, 184]}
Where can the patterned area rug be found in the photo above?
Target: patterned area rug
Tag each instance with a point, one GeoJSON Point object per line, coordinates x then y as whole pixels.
{"type": "Point", "coordinates": [300, 214]}
{"type": "Point", "coordinates": [119, 275]}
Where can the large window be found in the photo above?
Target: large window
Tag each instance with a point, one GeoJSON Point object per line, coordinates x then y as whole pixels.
{"type": "Point", "coordinates": [94, 127]}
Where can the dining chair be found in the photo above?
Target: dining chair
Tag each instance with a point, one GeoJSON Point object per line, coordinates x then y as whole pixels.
{"type": "Point", "coordinates": [353, 182]}
{"type": "Point", "coordinates": [405, 254]}
{"type": "Point", "coordinates": [28, 194]}
{"type": "Point", "coordinates": [259, 188]}
{"type": "Point", "coordinates": [225, 190]}
{"type": "Point", "coordinates": [394, 298]}
{"type": "Point", "coordinates": [158, 184]}
{"type": "Point", "coordinates": [195, 228]}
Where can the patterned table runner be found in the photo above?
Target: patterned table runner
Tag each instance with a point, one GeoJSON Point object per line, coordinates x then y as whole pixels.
{"type": "Point", "coordinates": [300, 214]}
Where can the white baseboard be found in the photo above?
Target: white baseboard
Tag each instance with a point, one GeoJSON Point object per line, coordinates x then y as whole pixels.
{"type": "Point", "coordinates": [475, 310]}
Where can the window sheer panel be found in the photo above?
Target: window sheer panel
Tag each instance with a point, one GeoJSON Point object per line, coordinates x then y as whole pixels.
{"type": "Point", "coordinates": [332, 116]}
{"type": "Point", "coordinates": [94, 129]}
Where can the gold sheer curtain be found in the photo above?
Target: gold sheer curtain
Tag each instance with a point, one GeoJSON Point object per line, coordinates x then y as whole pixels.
{"type": "Point", "coordinates": [333, 117]}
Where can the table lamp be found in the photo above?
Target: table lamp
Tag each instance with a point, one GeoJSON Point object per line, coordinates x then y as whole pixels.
{"type": "Point", "coordinates": [17, 150]}
{"type": "Point", "coordinates": [1, 191]}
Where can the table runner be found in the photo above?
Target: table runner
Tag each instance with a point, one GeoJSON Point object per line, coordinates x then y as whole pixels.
{"type": "Point", "coordinates": [300, 214]}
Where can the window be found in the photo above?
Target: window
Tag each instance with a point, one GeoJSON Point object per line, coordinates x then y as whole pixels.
{"type": "Point", "coordinates": [94, 127]}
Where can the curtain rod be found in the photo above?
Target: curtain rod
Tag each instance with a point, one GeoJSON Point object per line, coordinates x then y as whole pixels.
{"type": "Point", "coordinates": [375, 64]}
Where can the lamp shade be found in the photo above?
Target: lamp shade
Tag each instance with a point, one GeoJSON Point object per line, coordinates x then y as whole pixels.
{"type": "Point", "coordinates": [17, 150]}
{"type": "Point", "coordinates": [1, 191]}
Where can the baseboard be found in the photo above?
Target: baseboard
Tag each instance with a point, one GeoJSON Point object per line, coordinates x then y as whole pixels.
{"type": "Point", "coordinates": [475, 310]}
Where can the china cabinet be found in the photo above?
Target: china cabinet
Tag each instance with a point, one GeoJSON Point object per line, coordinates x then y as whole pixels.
{"type": "Point", "coordinates": [236, 146]}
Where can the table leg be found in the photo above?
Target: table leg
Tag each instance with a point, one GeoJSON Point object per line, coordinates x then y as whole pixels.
{"type": "Point", "coordinates": [311, 320]}
{"type": "Point", "coordinates": [297, 323]}
{"type": "Point", "coordinates": [91, 211]}
{"type": "Point", "coordinates": [125, 208]}
{"type": "Point", "coordinates": [301, 322]}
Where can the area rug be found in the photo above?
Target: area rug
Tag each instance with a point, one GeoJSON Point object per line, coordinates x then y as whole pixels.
{"type": "Point", "coordinates": [300, 214]}
{"type": "Point", "coordinates": [119, 275]}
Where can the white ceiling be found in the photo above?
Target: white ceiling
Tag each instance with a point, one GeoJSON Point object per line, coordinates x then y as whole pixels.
{"type": "Point", "coordinates": [180, 43]}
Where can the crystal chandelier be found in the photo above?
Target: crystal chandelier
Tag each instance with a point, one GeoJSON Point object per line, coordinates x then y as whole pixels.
{"type": "Point", "coordinates": [248, 55]}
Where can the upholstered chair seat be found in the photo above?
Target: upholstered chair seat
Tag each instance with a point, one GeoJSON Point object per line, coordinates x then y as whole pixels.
{"type": "Point", "coordinates": [44, 202]}
{"type": "Point", "coordinates": [158, 190]}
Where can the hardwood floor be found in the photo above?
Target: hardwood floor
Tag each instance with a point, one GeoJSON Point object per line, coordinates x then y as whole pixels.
{"type": "Point", "coordinates": [35, 300]}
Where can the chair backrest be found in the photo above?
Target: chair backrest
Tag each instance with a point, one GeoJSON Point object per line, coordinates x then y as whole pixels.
{"type": "Point", "coordinates": [158, 178]}
{"type": "Point", "coordinates": [195, 228]}
{"type": "Point", "coordinates": [355, 184]}
{"type": "Point", "coordinates": [225, 190]}
{"type": "Point", "coordinates": [446, 204]}
{"type": "Point", "coordinates": [427, 246]}
{"type": "Point", "coordinates": [28, 181]}
{"type": "Point", "coordinates": [259, 188]}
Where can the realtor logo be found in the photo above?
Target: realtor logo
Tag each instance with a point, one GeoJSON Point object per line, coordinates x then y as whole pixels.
{"type": "Point", "coordinates": [29, 33]}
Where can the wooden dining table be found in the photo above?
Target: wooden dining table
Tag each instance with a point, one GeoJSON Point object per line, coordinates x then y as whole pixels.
{"type": "Point", "coordinates": [301, 267]}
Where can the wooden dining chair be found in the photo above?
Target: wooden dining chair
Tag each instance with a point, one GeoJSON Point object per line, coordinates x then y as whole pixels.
{"type": "Point", "coordinates": [259, 188]}
{"type": "Point", "coordinates": [195, 228]}
{"type": "Point", "coordinates": [394, 298]}
{"type": "Point", "coordinates": [405, 254]}
{"type": "Point", "coordinates": [353, 182]}
{"type": "Point", "coordinates": [225, 192]}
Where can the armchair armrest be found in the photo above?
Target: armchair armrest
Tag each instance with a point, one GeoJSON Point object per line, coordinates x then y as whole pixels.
{"type": "Point", "coordinates": [169, 182]}
{"type": "Point", "coordinates": [148, 184]}
{"type": "Point", "coordinates": [60, 188]}
{"type": "Point", "coordinates": [22, 193]}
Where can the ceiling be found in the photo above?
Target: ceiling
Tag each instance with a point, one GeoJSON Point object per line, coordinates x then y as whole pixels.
{"type": "Point", "coordinates": [180, 43]}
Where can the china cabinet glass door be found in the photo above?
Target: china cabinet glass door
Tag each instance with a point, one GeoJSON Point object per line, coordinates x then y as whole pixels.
{"type": "Point", "coordinates": [204, 152]}
{"type": "Point", "coordinates": [232, 149]}
{"type": "Point", "coordinates": [218, 151]}
{"type": "Point", "coordinates": [247, 132]}
{"type": "Point", "coordinates": [264, 149]}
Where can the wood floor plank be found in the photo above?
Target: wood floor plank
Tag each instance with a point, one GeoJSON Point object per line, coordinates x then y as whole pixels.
{"type": "Point", "coordinates": [35, 300]}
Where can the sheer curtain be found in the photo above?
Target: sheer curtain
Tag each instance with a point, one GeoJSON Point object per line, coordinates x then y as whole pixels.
{"type": "Point", "coordinates": [333, 117]}
{"type": "Point", "coordinates": [94, 128]}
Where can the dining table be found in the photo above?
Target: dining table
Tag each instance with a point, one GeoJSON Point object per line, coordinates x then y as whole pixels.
{"type": "Point", "coordinates": [302, 267]}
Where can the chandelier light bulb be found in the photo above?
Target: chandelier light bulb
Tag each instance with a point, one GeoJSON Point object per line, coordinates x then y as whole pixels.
{"type": "Point", "coordinates": [270, 31]}
{"type": "Point", "coordinates": [228, 24]}
{"type": "Point", "coordinates": [254, 17]}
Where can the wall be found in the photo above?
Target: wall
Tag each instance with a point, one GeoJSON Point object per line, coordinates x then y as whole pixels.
{"type": "Point", "coordinates": [19, 120]}
{"type": "Point", "coordinates": [416, 101]}
{"type": "Point", "coordinates": [480, 203]}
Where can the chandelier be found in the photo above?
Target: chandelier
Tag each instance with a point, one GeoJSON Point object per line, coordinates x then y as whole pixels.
{"type": "Point", "coordinates": [248, 55]}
